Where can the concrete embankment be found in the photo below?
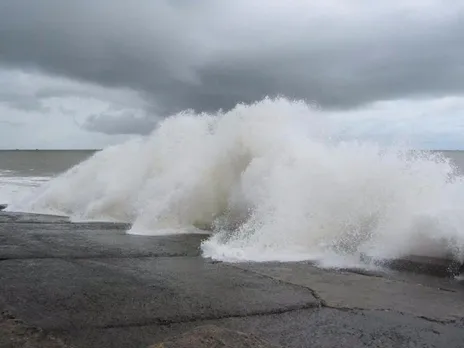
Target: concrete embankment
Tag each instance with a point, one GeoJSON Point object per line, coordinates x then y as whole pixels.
{"type": "Point", "coordinates": [92, 285]}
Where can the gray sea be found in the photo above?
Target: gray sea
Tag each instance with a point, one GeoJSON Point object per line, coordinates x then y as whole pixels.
{"type": "Point", "coordinates": [22, 170]}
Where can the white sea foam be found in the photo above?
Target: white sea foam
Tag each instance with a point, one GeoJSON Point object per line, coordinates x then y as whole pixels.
{"type": "Point", "coordinates": [15, 187]}
{"type": "Point", "coordinates": [271, 181]}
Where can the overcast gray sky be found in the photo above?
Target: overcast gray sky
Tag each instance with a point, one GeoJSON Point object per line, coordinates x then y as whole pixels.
{"type": "Point", "coordinates": [87, 73]}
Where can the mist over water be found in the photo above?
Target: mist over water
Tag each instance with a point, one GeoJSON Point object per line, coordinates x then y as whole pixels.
{"type": "Point", "coordinates": [270, 181]}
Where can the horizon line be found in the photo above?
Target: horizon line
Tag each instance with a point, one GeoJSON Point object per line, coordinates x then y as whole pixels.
{"type": "Point", "coordinates": [45, 149]}
{"type": "Point", "coordinates": [100, 149]}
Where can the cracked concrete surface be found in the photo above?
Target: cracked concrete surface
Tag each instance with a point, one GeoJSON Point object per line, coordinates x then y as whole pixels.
{"type": "Point", "coordinates": [351, 290]}
{"type": "Point", "coordinates": [92, 285]}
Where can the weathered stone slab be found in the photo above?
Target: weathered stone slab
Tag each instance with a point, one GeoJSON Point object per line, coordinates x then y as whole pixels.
{"type": "Point", "coordinates": [89, 240]}
{"type": "Point", "coordinates": [211, 336]}
{"type": "Point", "coordinates": [352, 290]}
{"type": "Point", "coordinates": [92, 285]}
{"type": "Point", "coordinates": [60, 294]}
{"type": "Point", "coordinates": [322, 328]}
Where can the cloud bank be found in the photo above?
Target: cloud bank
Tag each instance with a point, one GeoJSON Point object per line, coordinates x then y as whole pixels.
{"type": "Point", "coordinates": [207, 55]}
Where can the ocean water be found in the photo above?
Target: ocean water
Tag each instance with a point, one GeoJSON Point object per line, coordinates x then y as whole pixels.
{"type": "Point", "coordinates": [269, 181]}
{"type": "Point", "coordinates": [22, 172]}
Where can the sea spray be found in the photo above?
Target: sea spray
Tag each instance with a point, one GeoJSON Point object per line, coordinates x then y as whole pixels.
{"type": "Point", "coordinates": [270, 181]}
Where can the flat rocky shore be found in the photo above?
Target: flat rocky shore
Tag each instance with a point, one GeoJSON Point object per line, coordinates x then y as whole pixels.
{"type": "Point", "coordinates": [90, 285]}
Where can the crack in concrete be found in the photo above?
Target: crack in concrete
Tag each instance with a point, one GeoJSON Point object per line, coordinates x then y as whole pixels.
{"type": "Point", "coordinates": [434, 320]}
{"type": "Point", "coordinates": [360, 309]}
{"type": "Point", "coordinates": [165, 322]}
{"type": "Point", "coordinates": [324, 304]}
{"type": "Point", "coordinates": [320, 300]}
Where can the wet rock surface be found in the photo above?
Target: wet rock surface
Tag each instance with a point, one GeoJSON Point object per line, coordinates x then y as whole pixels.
{"type": "Point", "coordinates": [31, 218]}
{"type": "Point", "coordinates": [92, 285]}
{"type": "Point", "coordinates": [16, 334]}
{"type": "Point", "coordinates": [212, 336]}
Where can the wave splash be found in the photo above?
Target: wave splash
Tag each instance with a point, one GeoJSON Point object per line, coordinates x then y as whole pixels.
{"type": "Point", "coordinates": [270, 181]}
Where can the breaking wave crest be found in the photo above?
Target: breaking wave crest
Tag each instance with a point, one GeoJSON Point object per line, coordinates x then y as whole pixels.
{"type": "Point", "coordinates": [271, 182]}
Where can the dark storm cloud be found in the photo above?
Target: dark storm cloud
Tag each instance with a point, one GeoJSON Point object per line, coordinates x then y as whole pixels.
{"type": "Point", "coordinates": [122, 123]}
{"type": "Point", "coordinates": [208, 54]}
